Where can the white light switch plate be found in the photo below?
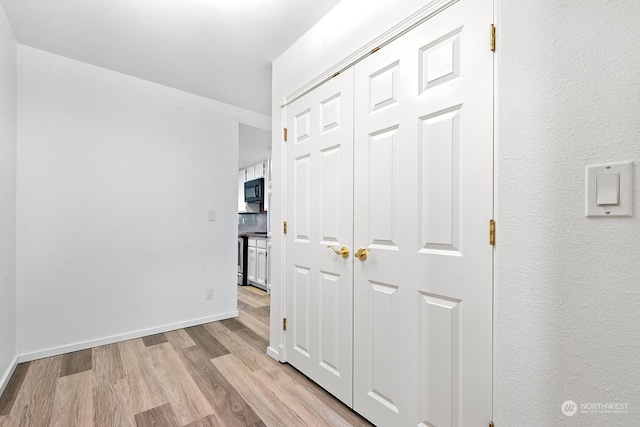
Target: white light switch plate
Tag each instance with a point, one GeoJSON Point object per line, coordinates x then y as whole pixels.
{"type": "Point", "coordinates": [625, 206]}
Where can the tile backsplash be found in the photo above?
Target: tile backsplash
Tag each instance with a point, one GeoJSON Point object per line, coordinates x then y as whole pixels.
{"type": "Point", "coordinates": [252, 223]}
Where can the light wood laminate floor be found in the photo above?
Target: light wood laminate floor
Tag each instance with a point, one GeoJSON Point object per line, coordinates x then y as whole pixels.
{"type": "Point", "coordinates": [217, 374]}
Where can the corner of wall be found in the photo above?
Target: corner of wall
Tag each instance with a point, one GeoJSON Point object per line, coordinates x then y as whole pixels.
{"type": "Point", "coordinates": [8, 161]}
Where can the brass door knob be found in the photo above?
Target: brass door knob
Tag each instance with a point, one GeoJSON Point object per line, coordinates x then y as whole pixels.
{"type": "Point", "coordinates": [362, 254]}
{"type": "Point", "coordinates": [343, 252]}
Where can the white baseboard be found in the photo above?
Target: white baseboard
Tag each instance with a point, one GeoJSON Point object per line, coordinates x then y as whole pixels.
{"type": "Point", "coordinates": [55, 351]}
{"type": "Point", "coordinates": [275, 354]}
{"type": "Point", "coordinates": [4, 380]}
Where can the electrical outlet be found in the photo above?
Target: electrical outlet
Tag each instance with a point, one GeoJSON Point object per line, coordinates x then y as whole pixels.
{"type": "Point", "coordinates": [210, 293]}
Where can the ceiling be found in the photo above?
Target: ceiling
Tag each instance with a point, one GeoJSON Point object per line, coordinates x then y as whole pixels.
{"type": "Point", "coordinates": [219, 49]}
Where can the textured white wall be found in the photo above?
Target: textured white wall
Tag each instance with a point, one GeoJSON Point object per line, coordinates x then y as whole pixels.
{"type": "Point", "coordinates": [8, 87]}
{"type": "Point", "coordinates": [568, 287]}
{"type": "Point", "coordinates": [115, 177]}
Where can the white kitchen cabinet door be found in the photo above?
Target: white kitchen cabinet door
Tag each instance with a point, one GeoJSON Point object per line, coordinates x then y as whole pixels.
{"type": "Point", "coordinates": [252, 263]}
{"type": "Point", "coordinates": [250, 176]}
{"type": "Point", "coordinates": [261, 267]}
{"type": "Point", "coordinates": [258, 170]}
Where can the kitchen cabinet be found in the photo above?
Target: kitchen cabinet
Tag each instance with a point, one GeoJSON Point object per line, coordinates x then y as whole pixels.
{"type": "Point", "coordinates": [258, 170]}
{"type": "Point", "coordinates": [261, 266]}
{"type": "Point", "coordinates": [242, 206]}
{"type": "Point", "coordinates": [257, 262]}
{"type": "Point", "coordinates": [250, 173]}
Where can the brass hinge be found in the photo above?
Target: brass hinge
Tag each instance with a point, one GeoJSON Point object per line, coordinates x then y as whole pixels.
{"type": "Point", "coordinates": [284, 323]}
{"type": "Point", "coordinates": [491, 424]}
{"type": "Point", "coordinates": [284, 227]}
{"type": "Point", "coordinates": [336, 74]}
{"type": "Point", "coordinates": [284, 132]}
{"type": "Point", "coordinates": [375, 50]}
{"type": "Point", "coordinates": [492, 232]}
{"type": "Point", "coordinates": [493, 38]}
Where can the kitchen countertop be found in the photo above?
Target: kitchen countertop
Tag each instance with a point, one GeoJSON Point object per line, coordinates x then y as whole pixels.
{"type": "Point", "coordinates": [250, 234]}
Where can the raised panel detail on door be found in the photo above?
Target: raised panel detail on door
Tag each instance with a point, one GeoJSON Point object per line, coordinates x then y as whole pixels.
{"type": "Point", "coordinates": [382, 188]}
{"type": "Point", "coordinates": [439, 360]}
{"type": "Point", "coordinates": [440, 181]}
{"type": "Point", "coordinates": [330, 322]}
{"type": "Point", "coordinates": [319, 213]}
{"type": "Point", "coordinates": [384, 87]}
{"type": "Point", "coordinates": [440, 60]}
{"type": "Point", "coordinates": [384, 344]}
{"type": "Point", "coordinates": [302, 127]}
{"type": "Point", "coordinates": [302, 213]}
{"type": "Point", "coordinates": [301, 320]}
{"type": "Point", "coordinates": [330, 113]}
{"type": "Point", "coordinates": [330, 198]}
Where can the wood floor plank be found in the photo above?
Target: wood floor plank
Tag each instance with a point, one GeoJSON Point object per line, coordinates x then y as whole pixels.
{"type": "Point", "coordinates": [107, 364]}
{"type": "Point", "coordinates": [187, 401]}
{"type": "Point", "coordinates": [258, 326]}
{"type": "Point", "coordinates": [73, 403]}
{"type": "Point", "coordinates": [252, 300]}
{"type": "Point", "coordinates": [76, 362]}
{"type": "Point", "coordinates": [251, 358]}
{"type": "Point", "coordinates": [258, 313]}
{"type": "Point", "coordinates": [344, 411]}
{"type": "Point", "coordinates": [230, 407]}
{"type": "Point", "coordinates": [254, 290]}
{"type": "Point", "coordinates": [179, 339]}
{"type": "Point", "coordinates": [161, 416]}
{"type": "Point", "coordinates": [110, 405]}
{"type": "Point", "coordinates": [206, 342]}
{"type": "Point", "coordinates": [145, 391]}
{"type": "Point", "coordinates": [232, 324]}
{"type": "Point", "coordinates": [11, 391]}
{"type": "Point", "coordinates": [256, 341]}
{"type": "Point", "coordinates": [312, 410]}
{"type": "Point", "coordinates": [271, 409]}
{"type": "Point", "coordinates": [212, 421]}
{"type": "Point", "coordinates": [154, 340]}
{"type": "Point", "coordinates": [34, 402]}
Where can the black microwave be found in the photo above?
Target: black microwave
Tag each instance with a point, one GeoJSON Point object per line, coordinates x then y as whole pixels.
{"type": "Point", "coordinates": [253, 191]}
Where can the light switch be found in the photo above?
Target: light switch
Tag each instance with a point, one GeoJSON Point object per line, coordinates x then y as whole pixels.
{"type": "Point", "coordinates": [608, 189]}
{"type": "Point", "coordinates": [212, 215]}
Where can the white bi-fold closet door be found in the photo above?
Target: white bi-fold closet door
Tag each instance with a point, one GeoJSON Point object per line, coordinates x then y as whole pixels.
{"type": "Point", "coordinates": [395, 156]}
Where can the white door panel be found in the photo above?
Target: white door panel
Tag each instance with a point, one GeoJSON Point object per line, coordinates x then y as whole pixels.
{"type": "Point", "coordinates": [423, 201]}
{"type": "Point", "coordinates": [319, 156]}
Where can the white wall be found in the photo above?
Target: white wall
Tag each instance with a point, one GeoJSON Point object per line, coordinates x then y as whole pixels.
{"type": "Point", "coordinates": [8, 87]}
{"type": "Point", "coordinates": [115, 178]}
{"type": "Point", "coordinates": [568, 287]}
